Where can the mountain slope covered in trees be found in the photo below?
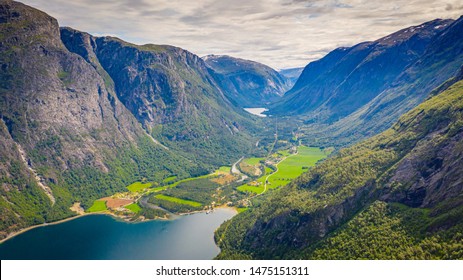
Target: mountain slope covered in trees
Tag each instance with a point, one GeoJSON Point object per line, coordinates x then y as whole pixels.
{"type": "Point", "coordinates": [82, 117]}
{"type": "Point", "coordinates": [398, 195]}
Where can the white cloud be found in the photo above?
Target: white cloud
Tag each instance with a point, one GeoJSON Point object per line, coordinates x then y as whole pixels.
{"type": "Point", "coordinates": [280, 33]}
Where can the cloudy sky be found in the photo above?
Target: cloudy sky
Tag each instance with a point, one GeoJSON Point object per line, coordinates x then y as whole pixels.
{"type": "Point", "coordinates": [279, 33]}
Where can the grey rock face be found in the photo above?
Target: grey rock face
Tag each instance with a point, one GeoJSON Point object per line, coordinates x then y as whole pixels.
{"type": "Point", "coordinates": [170, 92]}
{"type": "Point", "coordinates": [88, 114]}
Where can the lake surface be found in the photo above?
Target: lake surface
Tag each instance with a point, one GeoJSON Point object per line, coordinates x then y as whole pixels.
{"type": "Point", "coordinates": [103, 237]}
{"type": "Point", "coordinates": [256, 111]}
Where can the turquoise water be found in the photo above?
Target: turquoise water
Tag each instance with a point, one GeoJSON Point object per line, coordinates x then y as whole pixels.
{"type": "Point", "coordinates": [104, 237]}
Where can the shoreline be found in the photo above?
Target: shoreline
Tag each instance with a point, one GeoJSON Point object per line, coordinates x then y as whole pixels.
{"type": "Point", "coordinates": [204, 211]}
{"type": "Point", "coordinates": [14, 234]}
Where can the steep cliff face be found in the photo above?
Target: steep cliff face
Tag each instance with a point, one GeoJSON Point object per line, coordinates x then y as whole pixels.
{"type": "Point", "coordinates": [405, 182]}
{"type": "Point", "coordinates": [171, 93]}
{"type": "Point", "coordinates": [66, 136]}
{"type": "Point", "coordinates": [247, 83]}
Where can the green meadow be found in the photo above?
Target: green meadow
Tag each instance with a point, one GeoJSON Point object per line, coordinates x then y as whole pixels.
{"type": "Point", "coordinates": [241, 209]}
{"type": "Point", "coordinates": [288, 169]}
{"type": "Point", "coordinates": [253, 161]}
{"type": "Point", "coordinates": [178, 200]}
{"type": "Point", "coordinates": [261, 180]}
{"type": "Point", "coordinates": [98, 206]}
{"type": "Point", "coordinates": [251, 189]}
{"type": "Point", "coordinates": [134, 207]}
{"type": "Point", "coordinates": [138, 186]}
{"type": "Point", "coordinates": [224, 169]}
{"type": "Point", "coordinates": [293, 166]}
{"type": "Point", "coordinates": [268, 170]}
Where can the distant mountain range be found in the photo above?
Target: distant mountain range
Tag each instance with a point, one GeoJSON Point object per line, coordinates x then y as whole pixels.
{"type": "Point", "coordinates": [247, 83]}
{"type": "Point", "coordinates": [359, 91]}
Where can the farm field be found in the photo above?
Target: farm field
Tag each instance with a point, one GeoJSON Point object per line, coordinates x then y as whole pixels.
{"type": "Point", "coordinates": [251, 166]}
{"type": "Point", "coordinates": [138, 186]}
{"type": "Point", "coordinates": [289, 168]}
{"type": "Point", "coordinates": [259, 187]}
{"type": "Point", "coordinates": [241, 209]}
{"type": "Point", "coordinates": [114, 203]}
{"type": "Point", "coordinates": [134, 207]}
{"type": "Point", "coordinates": [253, 161]}
{"type": "Point", "coordinates": [178, 200]}
{"type": "Point", "coordinates": [98, 206]}
{"type": "Point", "coordinates": [223, 169]}
{"type": "Point", "coordinates": [293, 166]}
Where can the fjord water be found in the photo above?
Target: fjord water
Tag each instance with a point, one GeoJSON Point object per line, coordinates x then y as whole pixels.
{"type": "Point", "coordinates": [103, 237]}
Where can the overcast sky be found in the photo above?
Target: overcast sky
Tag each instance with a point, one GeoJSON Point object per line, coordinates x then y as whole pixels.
{"type": "Point", "coordinates": [279, 33]}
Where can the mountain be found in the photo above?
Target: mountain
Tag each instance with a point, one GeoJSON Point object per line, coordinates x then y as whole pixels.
{"type": "Point", "coordinates": [397, 195]}
{"type": "Point", "coordinates": [292, 74]}
{"type": "Point", "coordinates": [82, 117]}
{"type": "Point", "coordinates": [348, 78]}
{"type": "Point", "coordinates": [356, 92]}
{"type": "Point", "coordinates": [171, 93]}
{"type": "Point", "coordinates": [247, 83]}
{"type": "Point", "coordinates": [65, 135]}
